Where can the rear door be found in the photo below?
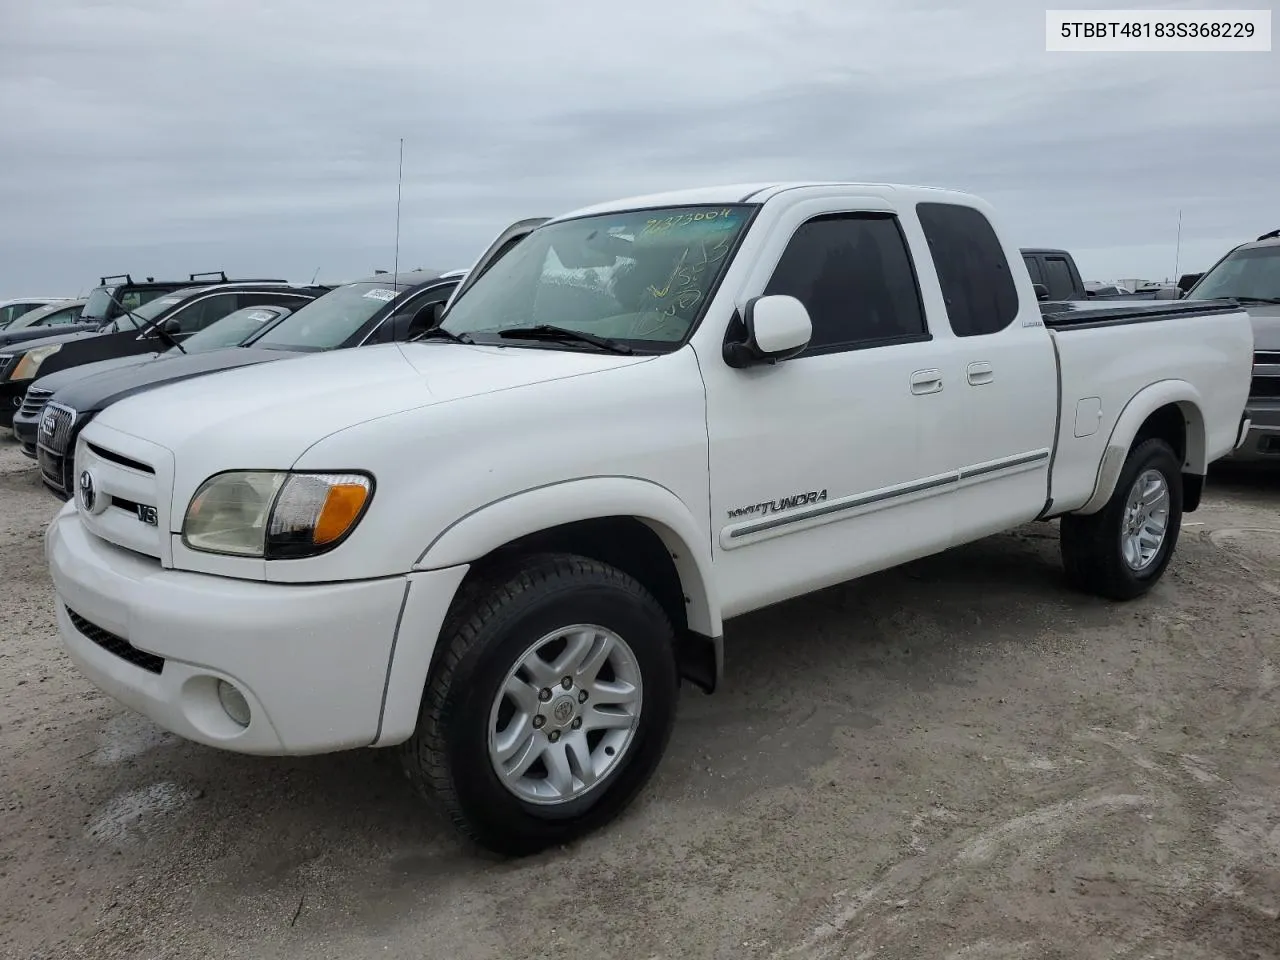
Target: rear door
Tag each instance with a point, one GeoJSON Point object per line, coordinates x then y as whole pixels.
{"type": "Point", "coordinates": [1000, 372]}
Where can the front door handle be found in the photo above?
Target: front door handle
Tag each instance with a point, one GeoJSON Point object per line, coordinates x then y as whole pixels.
{"type": "Point", "coordinates": [980, 373]}
{"type": "Point", "coordinates": [926, 381]}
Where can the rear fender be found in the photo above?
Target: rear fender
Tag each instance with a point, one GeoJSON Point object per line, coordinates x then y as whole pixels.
{"type": "Point", "coordinates": [1144, 403]}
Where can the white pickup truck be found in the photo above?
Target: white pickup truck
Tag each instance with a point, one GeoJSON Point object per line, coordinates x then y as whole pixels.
{"type": "Point", "coordinates": [502, 547]}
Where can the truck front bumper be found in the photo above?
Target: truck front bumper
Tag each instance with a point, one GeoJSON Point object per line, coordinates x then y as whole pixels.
{"type": "Point", "coordinates": [313, 663]}
{"type": "Point", "coordinates": [1262, 440]}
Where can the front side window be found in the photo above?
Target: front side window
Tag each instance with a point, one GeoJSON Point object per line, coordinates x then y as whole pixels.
{"type": "Point", "coordinates": [853, 273]}
{"type": "Point", "coordinates": [140, 316]}
{"type": "Point", "coordinates": [200, 313]}
{"type": "Point", "coordinates": [972, 270]}
{"type": "Point", "coordinates": [640, 277]}
{"type": "Point", "coordinates": [1249, 275]}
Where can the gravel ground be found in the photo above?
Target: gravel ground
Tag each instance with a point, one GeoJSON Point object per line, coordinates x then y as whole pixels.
{"type": "Point", "coordinates": [957, 759]}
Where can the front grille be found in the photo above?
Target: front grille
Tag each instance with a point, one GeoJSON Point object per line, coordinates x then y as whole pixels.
{"type": "Point", "coordinates": [118, 646]}
{"type": "Point", "coordinates": [34, 401]}
{"type": "Point", "coordinates": [1267, 356]}
{"type": "Point", "coordinates": [53, 437]}
{"type": "Point", "coordinates": [1265, 387]}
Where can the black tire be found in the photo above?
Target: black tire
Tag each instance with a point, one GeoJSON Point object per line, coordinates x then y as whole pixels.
{"type": "Point", "coordinates": [1092, 544]}
{"type": "Point", "coordinates": [491, 624]}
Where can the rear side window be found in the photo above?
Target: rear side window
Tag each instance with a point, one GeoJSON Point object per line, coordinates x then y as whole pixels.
{"type": "Point", "coordinates": [1060, 284]}
{"type": "Point", "coordinates": [854, 275]}
{"type": "Point", "coordinates": [977, 285]}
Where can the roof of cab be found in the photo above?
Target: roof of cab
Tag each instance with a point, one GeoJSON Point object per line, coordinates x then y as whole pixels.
{"type": "Point", "coordinates": [755, 193]}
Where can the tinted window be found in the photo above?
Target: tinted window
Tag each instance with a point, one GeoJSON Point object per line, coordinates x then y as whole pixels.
{"type": "Point", "coordinates": [1059, 282]}
{"type": "Point", "coordinates": [202, 312]}
{"type": "Point", "coordinates": [854, 275]}
{"type": "Point", "coordinates": [1033, 268]}
{"type": "Point", "coordinates": [972, 269]}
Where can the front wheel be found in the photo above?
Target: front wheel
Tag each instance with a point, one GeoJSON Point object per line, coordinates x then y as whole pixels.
{"type": "Point", "coordinates": [1122, 550]}
{"type": "Point", "coordinates": [549, 706]}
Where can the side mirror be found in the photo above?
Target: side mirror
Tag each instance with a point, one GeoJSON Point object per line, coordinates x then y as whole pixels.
{"type": "Point", "coordinates": [777, 328]}
{"type": "Point", "coordinates": [1042, 292]}
{"type": "Point", "coordinates": [1188, 280]}
{"type": "Point", "coordinates": [425, 318]}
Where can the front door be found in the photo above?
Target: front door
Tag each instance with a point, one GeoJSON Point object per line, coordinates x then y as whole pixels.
{"type": "Point", "coordinates": [828, 465]}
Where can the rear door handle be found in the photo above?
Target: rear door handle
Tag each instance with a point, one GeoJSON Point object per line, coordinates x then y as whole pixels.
{"type": "Point", "coordinates": [980, 373]}
{"type": "Point", "coordinates": [926, 381]}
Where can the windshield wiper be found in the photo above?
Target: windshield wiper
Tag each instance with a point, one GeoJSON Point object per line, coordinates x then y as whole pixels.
{"type": "Point", "coordinates": [546, 331]}
{"type": "Point", "coordinates": [1257, 299]}
{"type": "Point", "coordinates": [440, 333]}
{"type": "Point", "coordinates": [162, 334]}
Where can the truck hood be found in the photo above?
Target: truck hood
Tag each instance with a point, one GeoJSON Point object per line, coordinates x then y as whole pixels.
{"type": "Point", "coordinates": [1266, 325]}
{"type": "Point", "coordinates": [112, 380]}
{"type": "Point", "coordinates": [266, 416]}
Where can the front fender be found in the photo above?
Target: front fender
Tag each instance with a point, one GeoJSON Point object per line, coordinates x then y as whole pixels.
{"type": "Point", "coordinates": [542, 508]}
{"type": "Point", "coordinates": [1144, 403]}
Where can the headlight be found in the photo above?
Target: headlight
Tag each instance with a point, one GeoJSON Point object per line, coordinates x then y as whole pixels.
{"type": "Point", "coordinates": [275, 515]}
{"type": "Point", "coordinates": [30, 363]}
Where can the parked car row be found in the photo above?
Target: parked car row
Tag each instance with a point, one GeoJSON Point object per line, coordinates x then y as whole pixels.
{"type": "Point", "coordinates": [495, 521]}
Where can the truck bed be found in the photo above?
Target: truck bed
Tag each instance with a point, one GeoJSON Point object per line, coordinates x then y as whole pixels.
{"type": "Point", "coordinates": [1085, 315]}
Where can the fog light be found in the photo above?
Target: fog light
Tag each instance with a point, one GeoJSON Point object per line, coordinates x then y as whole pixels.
{"type": "Point", "coordinates": [234, 703]}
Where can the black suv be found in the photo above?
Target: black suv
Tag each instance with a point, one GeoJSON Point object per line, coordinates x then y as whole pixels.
{"type": "Point", "coordinates": [150, 328]}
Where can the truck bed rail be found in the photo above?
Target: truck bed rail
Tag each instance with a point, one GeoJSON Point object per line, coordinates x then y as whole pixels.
{"type": "Point", "coordinates": [1082, 315]}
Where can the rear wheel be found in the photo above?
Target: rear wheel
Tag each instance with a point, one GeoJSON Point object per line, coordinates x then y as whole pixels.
{"type": "Point", "coordinates": [549, 706]}
{"type": "Point", "coordinates": [1123, 549]}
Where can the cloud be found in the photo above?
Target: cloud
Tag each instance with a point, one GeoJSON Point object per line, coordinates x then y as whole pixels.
{"type": "Point", "coordinates": [164, 136]}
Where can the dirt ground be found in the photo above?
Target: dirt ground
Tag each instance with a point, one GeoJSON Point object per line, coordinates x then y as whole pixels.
{"type": "Point", "coordinates": [958, 759]}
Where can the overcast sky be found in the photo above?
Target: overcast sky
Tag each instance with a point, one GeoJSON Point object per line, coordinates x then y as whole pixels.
{"type": "Point", "coordinates": [167, 136]}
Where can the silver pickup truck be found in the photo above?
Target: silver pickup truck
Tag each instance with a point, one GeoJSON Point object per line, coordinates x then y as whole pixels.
{"type": "Point", "coordinates": [1250, 275]}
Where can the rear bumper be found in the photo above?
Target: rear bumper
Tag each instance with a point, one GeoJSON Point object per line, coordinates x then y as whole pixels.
{"type": "Point", "coordinates": [1262, 438]}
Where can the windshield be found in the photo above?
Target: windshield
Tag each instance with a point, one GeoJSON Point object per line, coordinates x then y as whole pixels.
{"type": "Point", "coordinates": [638, 276]}
{"type": "Point", "coordinates": [1250, 274]}
{"type": "Point", "coordinates": [329, 321]}
{"type": "Point", "coordinates": [137, 316]}
{"type": "Point", "coordinates": [98, 306]}
{"type": "Point", "coordinates": [231, 331]}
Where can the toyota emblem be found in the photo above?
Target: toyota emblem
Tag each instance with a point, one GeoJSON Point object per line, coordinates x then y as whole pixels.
{"type": "Point", "coordinates": [88, 495]}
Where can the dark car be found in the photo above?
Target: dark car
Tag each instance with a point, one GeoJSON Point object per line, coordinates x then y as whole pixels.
{"type": "Point", "coordinates": [381, 309]}
{"type": "Point", "coordinates": [231, 331]}
{"type": "Point", "coordinates": [152, 327]}
{"type": "Point", "coordinates": [116, 295]}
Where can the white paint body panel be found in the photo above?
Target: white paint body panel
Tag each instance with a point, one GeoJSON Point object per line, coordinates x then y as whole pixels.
{"type": "Point", "coordinates": [887, 454]}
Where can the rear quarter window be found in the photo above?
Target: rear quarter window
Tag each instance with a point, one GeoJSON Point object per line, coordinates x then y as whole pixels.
{"type": "Point", "coordinates": [973, 272]}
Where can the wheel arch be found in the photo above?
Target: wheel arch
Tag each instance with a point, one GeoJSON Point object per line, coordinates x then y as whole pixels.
{"type": "Point", "coordinates": [636, 525]}
{"type": "Point", "coordinates": [1171, 410]}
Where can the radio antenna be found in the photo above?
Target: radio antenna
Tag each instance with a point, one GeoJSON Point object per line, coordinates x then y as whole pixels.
{"type": "Point", "coordinates": [1177, 251]}
{"type": "Point", "coordinates": [395, 273]}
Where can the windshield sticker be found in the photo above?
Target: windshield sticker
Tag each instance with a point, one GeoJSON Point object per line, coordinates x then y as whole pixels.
{"type": "Point", "coordinates": [663, 224]}
{"type": "Point", "coordinates": [165, 301]}
{"type": "Point", "coordinates": [262, 316]}
{"type": "Point", "coordinates": [386, 296]}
